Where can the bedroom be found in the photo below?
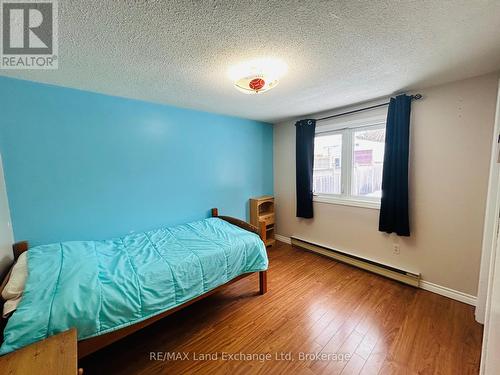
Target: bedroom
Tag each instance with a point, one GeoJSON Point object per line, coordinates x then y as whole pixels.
{"type": "Point", "coordinates": [250, 187]}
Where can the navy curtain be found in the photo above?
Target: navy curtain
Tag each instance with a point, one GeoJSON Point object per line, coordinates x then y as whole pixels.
{"type": "Point", "coordinates": [394, 204]}
{"type": "Point", "coordinates": [304, 159]}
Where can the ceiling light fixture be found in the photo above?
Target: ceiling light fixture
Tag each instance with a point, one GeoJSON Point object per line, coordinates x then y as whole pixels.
{"type": "Point", "coordinates": [257, 76]}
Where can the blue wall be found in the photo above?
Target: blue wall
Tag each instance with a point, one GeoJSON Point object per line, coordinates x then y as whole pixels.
{"type": "Point", "coordinates": [80, 165]}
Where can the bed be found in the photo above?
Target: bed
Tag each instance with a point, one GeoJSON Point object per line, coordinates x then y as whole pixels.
{"type": "Point", "coordinates": [110, 289]}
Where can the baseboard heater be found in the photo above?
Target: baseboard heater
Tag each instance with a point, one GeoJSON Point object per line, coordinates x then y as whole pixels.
{"type": "Point", "coordinates": [366, 264]}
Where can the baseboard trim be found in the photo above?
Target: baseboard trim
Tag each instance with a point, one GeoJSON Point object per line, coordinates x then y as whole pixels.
{"type": "Point", "coordinates": [284, 239]}
{"type": "Point", "coordinates": [448, 292]}
{"type": "Point", "coordinates": [425, 285]}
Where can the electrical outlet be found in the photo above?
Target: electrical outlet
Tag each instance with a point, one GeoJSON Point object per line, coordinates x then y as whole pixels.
{"type": "Point", "coordinates": [396, 249]}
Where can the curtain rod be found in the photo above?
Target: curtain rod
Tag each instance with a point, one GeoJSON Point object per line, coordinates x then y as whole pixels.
{"type": "Point", "coordinates": [414, 97]}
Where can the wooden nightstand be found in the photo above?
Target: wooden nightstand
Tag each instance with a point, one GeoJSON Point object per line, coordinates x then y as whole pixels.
{"type": "Point", "coordinates": [56, 355]}
{"type": "Point", "coordinates": [262, 209]}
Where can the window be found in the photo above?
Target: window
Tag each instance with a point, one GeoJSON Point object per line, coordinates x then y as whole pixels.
{"type": "Point", "coordinates": [348, 161]}
{"type": "Point", "coordinates": [327, 164]}
{"type": "Point", "coordinates": [367, 162]}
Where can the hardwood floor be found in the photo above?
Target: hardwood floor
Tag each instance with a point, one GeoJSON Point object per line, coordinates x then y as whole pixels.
{"type": "Point", "coordinates": [360, 322]}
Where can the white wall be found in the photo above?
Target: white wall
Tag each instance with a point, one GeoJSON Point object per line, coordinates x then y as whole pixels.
{"type": "Point", "coordinates": [6, 237]}
{"type": "Point", "coordinates": [451, 141]}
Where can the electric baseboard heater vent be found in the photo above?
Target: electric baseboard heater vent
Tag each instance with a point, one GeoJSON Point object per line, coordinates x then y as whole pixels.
{"type": "Point", "coordinates": [366, 264]}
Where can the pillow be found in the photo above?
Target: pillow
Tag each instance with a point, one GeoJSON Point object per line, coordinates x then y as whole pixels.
{"type": "Point", "coordinates": [13, 290]}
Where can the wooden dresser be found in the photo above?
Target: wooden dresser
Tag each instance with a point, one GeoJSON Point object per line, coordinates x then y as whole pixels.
{"type": "Point", "coordinates": [56, 355]}
{"type": "Point", "coordinates": [262, 209]}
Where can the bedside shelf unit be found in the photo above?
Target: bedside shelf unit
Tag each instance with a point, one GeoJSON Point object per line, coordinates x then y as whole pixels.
{"type": "Point", "coordinates": [262, 209]}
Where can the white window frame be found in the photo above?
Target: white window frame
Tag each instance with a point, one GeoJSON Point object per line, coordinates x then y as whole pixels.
{"type": "Point", "coordinates": [347, 126]}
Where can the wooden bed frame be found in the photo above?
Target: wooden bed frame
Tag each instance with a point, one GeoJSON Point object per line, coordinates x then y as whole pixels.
{"type": "Point", "coordinates": [88, 346]}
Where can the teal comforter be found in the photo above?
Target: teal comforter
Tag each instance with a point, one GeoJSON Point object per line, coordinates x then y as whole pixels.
{"type": "Point", "coordinates": [102, 286]}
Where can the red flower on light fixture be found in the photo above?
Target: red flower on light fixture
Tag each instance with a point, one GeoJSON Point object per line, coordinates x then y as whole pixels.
{"type": "Point", "coordinates": [256, 84]}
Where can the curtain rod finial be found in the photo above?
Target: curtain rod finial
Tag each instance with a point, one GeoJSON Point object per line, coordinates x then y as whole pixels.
{"type": "Point", "coordinates": [416, 96]}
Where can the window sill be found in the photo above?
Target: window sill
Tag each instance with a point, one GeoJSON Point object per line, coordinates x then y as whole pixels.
{"type": "Point", "coordinates": [374, 205]}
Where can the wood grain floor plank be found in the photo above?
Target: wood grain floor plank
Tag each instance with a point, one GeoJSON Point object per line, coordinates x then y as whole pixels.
{"type": "Point", "coordinates": [354, 365]}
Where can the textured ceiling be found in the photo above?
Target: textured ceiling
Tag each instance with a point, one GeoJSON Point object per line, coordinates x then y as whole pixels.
{"type": "Point", "coordinates": [338, 52]}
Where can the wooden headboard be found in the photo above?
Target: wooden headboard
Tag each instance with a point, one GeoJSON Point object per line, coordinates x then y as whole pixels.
{"type": "Point", "coordinates": [261, 231]}
{"type": "Point", "coordinates": [19, 247]}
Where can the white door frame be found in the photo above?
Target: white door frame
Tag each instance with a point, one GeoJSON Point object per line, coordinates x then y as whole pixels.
{"type": "Point", "coordinates": [490, 362]}
{"type": "Point", "coordinates": [488, 307]}
{"type": "Point", "coordinates": [490, 221]}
